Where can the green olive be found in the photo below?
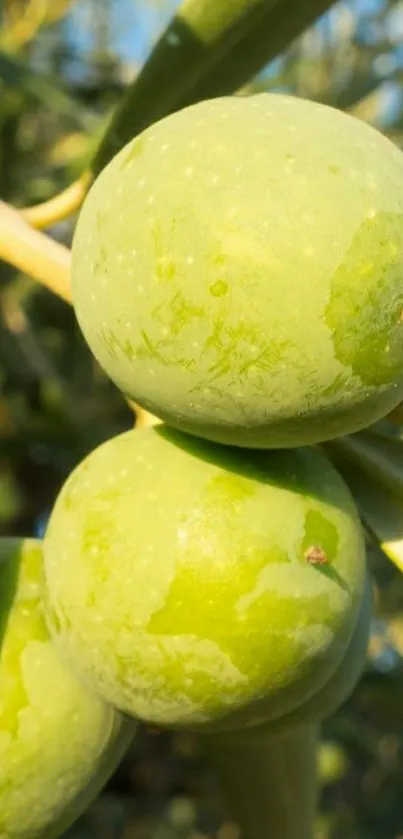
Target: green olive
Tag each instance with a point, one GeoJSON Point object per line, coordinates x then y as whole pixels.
{"type": "Point", "coordinates": [238, 271]}
{"type": "Point", "coordinates": [59, 743]}
{"type": "Point", "coordinates": [331, 695]}
{"type": "Point", "coordinates": [204, 586]}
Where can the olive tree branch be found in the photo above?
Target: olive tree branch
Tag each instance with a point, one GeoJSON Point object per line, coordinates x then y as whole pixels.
{"type": "Point", "coordinates": [34, 253]}
{"type": "Point", "coordinates": [48, 262]}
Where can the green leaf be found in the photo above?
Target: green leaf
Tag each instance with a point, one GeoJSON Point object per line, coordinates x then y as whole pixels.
{"type": "Point", "coordinates": [386, 428]}
{"type": "Point", "coordinates": [18, 75]}
{"type": "Point", "coordinates": [376, 456]}
{"type": "Point", "coordinates": [281, 24]}
{"type": "Point", "coordinates": [209, 49]}
{"type": "Point", "coordinates": [381, 509]}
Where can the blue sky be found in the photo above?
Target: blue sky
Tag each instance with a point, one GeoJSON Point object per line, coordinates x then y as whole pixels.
{"type": "Point", "coordinates": [136, 24]}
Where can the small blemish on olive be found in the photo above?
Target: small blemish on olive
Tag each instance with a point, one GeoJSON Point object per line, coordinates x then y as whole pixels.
{"type": "Point", "coordinates": [316, 556]}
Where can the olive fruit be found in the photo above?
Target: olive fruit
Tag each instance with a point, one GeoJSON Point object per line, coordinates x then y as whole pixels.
{"type": "Point", "coordinates": [203, 586]}
{"type": "Point", "coordinates": [58, 741]}
{"type": "Point", "coordinates": [238, 271]}
{"type": "Point", "coordinates": [332, 694]}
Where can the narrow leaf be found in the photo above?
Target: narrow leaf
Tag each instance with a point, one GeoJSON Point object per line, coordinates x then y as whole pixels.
{"type": "Point", "coordinates": [381, 510]}
{"type": "Point", "coordinates": [209, 49]}
{"type": "Point", "coordinates": [377, 456]}
{"type": "Point", "coordinates": [280, 26]}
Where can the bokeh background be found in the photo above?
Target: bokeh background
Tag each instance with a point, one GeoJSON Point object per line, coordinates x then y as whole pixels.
{"type": "Point", "coordinates": [63, 66]}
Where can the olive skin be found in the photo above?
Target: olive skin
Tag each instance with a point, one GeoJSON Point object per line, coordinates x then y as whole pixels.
{"type": "Point", "coordinates": [238, 271]}
{"type": "Point", "coordinates": [331, 695]}
{"type": "Point", "coordinates": [201, 586]}
{"type": "Point", "coordinates": [59, 743]}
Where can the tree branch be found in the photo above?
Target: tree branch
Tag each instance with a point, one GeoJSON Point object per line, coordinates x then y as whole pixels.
{"type": "Point", "coordinates": [34, 253]}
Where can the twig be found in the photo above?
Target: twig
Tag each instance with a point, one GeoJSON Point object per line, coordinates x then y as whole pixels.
{"type": "Point", "coordinates": [34, 253]}
{"type": "Point", "coordinates": [48, 262]}
{"type": "Point", "coordinates": [62, 206]}
{"type": "Point", "coordinates": [143, 418]}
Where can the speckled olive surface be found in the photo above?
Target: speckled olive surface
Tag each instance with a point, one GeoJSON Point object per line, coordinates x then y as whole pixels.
{"type": "Point", "coordinates": [59, 743]}
{"type": "Point", "coordinates": [238, 271]}
{"type": "Point", "coordinates": [198, 585]}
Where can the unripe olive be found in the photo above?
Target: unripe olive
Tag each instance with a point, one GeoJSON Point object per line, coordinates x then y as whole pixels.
{"type": "Point", "coordinates": [58, 741]}
{"type": "Point", "coordinates": [332, 694]}
{"type": "Point", "coordinates": [204, 586]}
{"type": "Point", "coordinates": [238, 271]}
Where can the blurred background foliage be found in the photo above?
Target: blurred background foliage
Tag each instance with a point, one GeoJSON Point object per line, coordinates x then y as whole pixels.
{"type": "Point", "coordinates": [64, 64]}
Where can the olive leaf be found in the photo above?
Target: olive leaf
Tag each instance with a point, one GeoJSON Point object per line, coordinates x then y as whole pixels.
{"type": "Point", "coordinates": [208, 49]}
{"type": "Point", "coordinates": [375, 455]}
{"type": "Point", "coordinates": [371, 463]}
{"type": "Point", "coordinates": [281, 24]}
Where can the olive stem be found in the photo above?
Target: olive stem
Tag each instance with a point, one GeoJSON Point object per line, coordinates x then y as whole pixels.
{"type": "Point", "coordinates": [271, 785]}
{"type": "Point", "coordinates": [60, 207]}
{"type": "Point", "coordinates": [45, 260]}
{"type": "Point", "coordinates": [143, 418]}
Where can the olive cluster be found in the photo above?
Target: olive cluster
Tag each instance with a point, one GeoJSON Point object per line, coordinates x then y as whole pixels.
{"type": "Point", "coordinates": [237, 272]}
